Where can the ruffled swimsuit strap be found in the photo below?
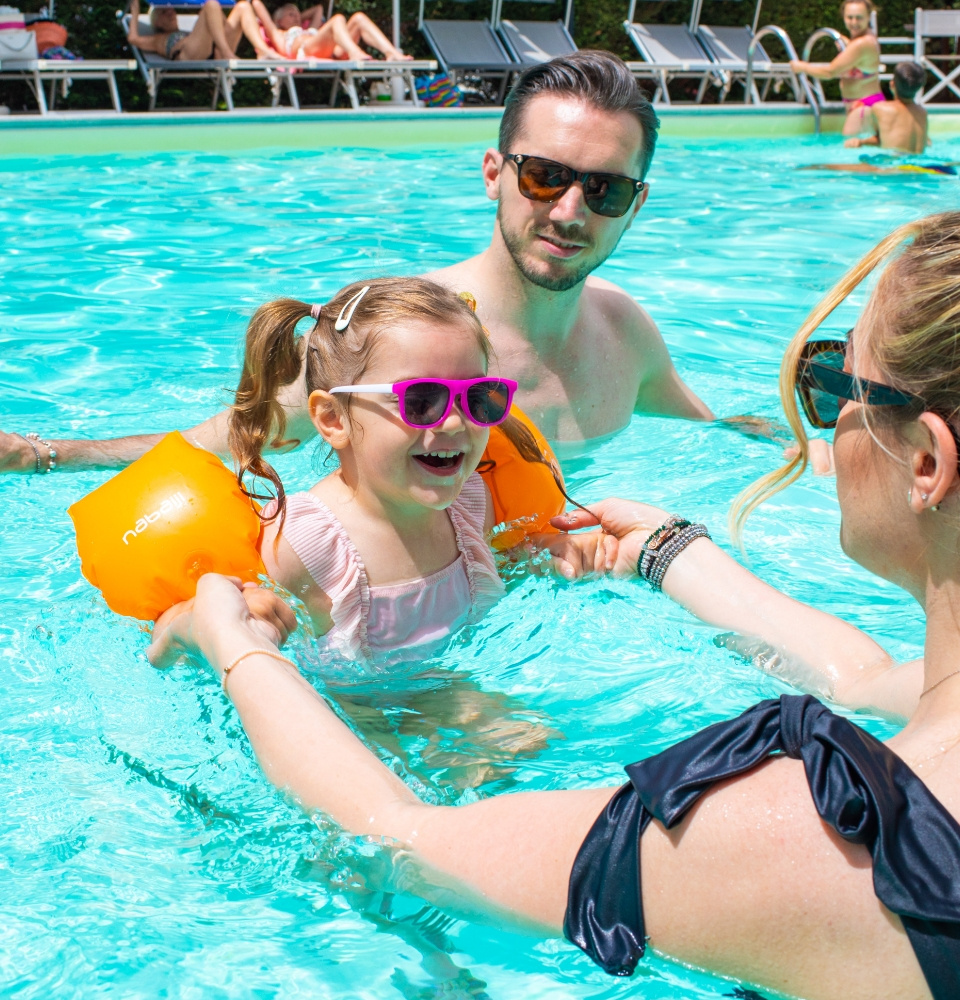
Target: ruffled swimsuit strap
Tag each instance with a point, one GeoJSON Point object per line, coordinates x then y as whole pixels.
{"type": "Point", "coordinates": [322, 544]}
{"type": "Point", "coordinates": [859, 787]}
{"type": "Point", "coordinates": [467, 514]}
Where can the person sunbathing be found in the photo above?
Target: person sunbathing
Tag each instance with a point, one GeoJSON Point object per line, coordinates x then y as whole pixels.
{"type": "Point", "coordinates": [212, 34]}
{"type": "Point", "coordinates": [286, 37]}
{"type": "Point", "coordinates": [900, 124]}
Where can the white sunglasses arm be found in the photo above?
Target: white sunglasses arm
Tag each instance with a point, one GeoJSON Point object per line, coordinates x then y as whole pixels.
{"type": "Point", "coordinates": [378, 387]}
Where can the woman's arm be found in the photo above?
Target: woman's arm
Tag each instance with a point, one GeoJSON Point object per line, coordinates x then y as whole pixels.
{"type": "Point", "coordinates": [303, 746]}
{"type": "Point", "coordinates": [751, 884]}
{"type": "Point", "coordinates": [847, 60]}
{"type": "Point", "coordinates": [147, 43]}
{"type": "Point", "coordinates": [812, 649]}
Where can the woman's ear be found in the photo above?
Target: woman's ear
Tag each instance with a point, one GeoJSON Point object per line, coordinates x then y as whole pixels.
{"type": "Point", "coordinates": [330, 418]}
{"type": "Point", "coordinates": [933, 458]}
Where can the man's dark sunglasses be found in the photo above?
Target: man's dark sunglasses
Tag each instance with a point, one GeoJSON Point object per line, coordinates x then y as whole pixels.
{"type": "Point", "coordinates": [823, 385]}
{"type": "Point", "coordinates": [548, 181]}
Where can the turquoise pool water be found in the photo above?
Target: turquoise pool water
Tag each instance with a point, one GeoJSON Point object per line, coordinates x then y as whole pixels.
{"type": "Point", "coordinates": [144, 855]}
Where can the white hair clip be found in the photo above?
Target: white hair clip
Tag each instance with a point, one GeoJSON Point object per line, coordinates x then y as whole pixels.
{"type": "Point", "coordinates": [343, 321]}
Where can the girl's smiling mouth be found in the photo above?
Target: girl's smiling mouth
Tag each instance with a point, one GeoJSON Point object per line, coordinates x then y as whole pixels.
{"type": "Point", "coordinates": [440, 463]}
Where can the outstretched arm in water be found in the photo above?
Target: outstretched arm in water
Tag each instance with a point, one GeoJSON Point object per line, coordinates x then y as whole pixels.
{"type": "Point", "coordinates": [812, 649]}
{"type": "Point", "coordinates": [77, 455]}
{"type": "Point", "coordinates": [745, 885]}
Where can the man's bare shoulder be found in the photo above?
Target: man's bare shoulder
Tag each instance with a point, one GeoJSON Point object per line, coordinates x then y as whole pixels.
{"type": "Point", "coordinates": [888, 111]}
{"type": "Point", "coordinates": [609, 305]}
{"type": "Point", "coordinates": [457, 277]}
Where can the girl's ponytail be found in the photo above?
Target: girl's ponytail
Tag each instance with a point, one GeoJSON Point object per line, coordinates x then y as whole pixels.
{"type": "Point", "coordinates": [272, 359]}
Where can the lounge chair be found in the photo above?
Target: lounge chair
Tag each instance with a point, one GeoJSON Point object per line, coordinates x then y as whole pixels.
{"type": "Point", "coordinates": [729, 48]}
{"type": "Point", "coordinates": [533, 42]}
{"type": "Point", "coordinates": [671, 52]}
{"type": "Point", "coordinates": [470, 48]}
{"type": "Point", "coordinates": [937, 24]}
{"type": "Point", "coordinates": [62, 72]}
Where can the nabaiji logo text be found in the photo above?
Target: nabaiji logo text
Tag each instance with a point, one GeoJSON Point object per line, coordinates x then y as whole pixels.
{"type": "Point", "coordinates": [168, 506]}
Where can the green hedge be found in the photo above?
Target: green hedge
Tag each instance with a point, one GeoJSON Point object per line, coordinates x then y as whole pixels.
{"type": "Point", "coordinates": [597, 24]}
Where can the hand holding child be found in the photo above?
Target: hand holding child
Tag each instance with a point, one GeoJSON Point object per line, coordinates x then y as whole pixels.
{"type": "Point", "coordinates": [627, 522]}
{"type": "Point", "coordinates": [225, 615]}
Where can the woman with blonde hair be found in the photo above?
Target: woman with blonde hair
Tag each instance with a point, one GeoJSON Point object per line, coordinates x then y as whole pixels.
{"type": "Point", "coordinates": [788, 847]}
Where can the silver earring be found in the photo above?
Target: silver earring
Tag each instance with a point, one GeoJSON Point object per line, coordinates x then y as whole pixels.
{"type": "Point", "coordinates": [924, 497]}
{"type": "Point", "coordinates": [909, 496]}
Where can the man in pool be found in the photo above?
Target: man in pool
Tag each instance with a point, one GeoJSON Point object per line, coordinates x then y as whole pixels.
{"type": "Point", "coordinates": [576, 140]}
{"type": "Point", "coordinates": [900, 124]}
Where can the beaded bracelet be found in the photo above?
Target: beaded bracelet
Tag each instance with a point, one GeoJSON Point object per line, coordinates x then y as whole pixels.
{"type": "Point", "coordinates": [664, 545]}
{"type": "Point", "coordinates": [36, 451]}
{"type": "Point", "coordinates": [655, 541]}
{"type": "Point", "coordinates": [670, 552]}
{"type": "Point", "coordinates": [272, 653]}
{"type": "Point", "coordinates": [33, 439]}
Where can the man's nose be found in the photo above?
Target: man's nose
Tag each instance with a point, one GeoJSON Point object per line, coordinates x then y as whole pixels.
{"type": "Point", "coordinates": [570, 207]}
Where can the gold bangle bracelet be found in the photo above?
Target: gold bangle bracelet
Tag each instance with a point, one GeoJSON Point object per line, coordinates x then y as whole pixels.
{"type": "Point", "coordinates": [272, 653]}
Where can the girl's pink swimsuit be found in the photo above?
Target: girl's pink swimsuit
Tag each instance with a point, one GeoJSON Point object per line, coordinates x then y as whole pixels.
{"type": "Point", "coordinates": [406, 621]}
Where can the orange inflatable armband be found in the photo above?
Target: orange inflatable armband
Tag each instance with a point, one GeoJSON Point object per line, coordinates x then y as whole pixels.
{"type": "Point", "coordinates": [146, 536]}
{"type": "Point", "coordinates": [522, 491]}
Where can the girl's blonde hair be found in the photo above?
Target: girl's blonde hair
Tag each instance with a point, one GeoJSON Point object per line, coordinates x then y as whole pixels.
{"type": "Point", "coordinates": [914, 340]}
{"type": "Point", "coordinates": [274, 356]}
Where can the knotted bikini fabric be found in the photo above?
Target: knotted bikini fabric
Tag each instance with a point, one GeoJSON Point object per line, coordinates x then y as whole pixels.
{"type": "Point", "coordinates": [859, 787]}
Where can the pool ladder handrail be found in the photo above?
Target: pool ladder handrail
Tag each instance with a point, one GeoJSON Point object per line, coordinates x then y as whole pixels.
{"type": "Point", "coordinates": [799, 82]}
{"type": "Point", "coordinates": [841, 44]}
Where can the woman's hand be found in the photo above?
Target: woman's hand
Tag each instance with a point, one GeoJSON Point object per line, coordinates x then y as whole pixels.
{"type": "Point", "coordinates": [631, 523]}
{"type": "Point", "coordinates": [224, 619]}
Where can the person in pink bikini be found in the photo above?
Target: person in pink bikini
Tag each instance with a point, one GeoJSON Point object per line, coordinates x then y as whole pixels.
{"type": "Point", "coordinates": [388, 552]}
{"type": "Point", "coordinates": [857, 67]}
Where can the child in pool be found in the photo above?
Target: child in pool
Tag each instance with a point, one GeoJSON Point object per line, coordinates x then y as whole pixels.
{"type": "Point", "coordinates": [388, 552]}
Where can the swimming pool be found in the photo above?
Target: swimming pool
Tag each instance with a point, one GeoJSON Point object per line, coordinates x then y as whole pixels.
{"type": "Point", "coordinates": [144, 853]}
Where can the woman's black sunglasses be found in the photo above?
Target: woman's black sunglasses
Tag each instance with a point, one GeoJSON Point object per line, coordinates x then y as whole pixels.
{"type": "Point", "coordinates": [548, 181]}
{"type": "Point", "coordinates": [823, 386]}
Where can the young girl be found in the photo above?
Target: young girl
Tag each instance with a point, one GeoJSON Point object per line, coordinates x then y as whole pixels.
{"type": "Point", "coordinates": [388, 553]}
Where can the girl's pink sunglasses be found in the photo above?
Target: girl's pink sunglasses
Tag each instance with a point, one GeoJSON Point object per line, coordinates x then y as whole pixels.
{"type": "Point", "coordinates": [427, 402]}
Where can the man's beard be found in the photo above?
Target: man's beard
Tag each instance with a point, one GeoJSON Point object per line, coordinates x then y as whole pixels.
{"type": "Point", "coordinates": [558, 283]}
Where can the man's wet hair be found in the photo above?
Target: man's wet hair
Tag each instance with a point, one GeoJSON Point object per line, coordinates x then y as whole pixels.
{"type": "Point", "coordinates": [599, 78]}
{"type": "Point", "coordinates": [910, 77]}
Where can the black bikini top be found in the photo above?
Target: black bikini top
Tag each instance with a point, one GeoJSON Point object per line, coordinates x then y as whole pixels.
{"type": "Point", "coordinates": [859, 786]}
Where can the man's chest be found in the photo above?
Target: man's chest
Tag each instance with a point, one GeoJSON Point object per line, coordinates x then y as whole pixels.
{"type": "Point", "coordinates": [573, 392]}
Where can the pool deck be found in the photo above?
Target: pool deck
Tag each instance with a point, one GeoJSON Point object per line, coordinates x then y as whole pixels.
{"type": "Point", "coordinates": [257, 128]}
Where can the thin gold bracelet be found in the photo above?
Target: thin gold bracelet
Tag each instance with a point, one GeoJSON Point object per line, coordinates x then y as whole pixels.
{"type": "Point", "coordinates": [252, 652]}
